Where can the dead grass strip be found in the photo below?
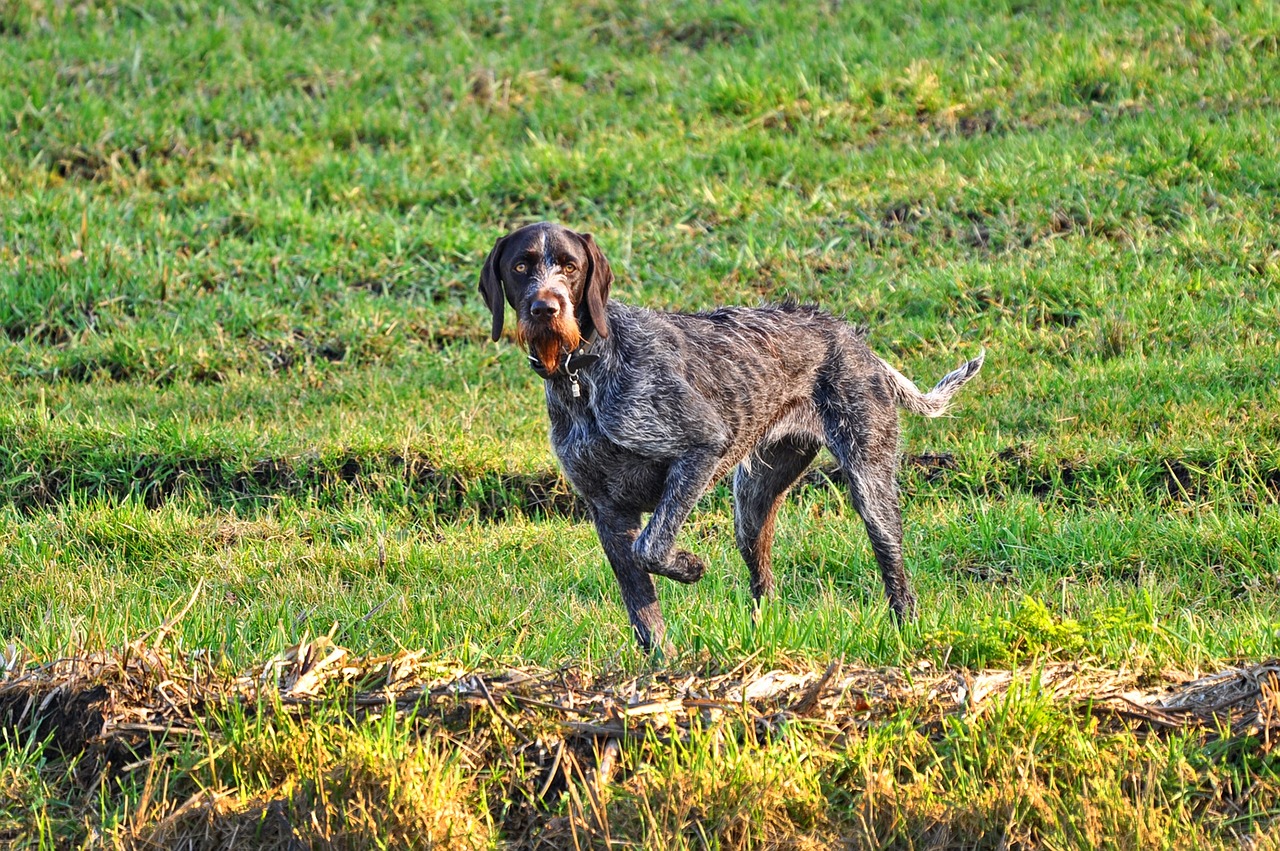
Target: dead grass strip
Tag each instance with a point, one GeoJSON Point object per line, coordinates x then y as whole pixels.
{"type": "Point", "coordinates": [549, 731]}
{"type": "Point", "coordinates": [147, 689]}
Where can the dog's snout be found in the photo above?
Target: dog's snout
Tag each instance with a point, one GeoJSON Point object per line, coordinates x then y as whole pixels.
{"type": "Point", "coordinates": [544, 308]}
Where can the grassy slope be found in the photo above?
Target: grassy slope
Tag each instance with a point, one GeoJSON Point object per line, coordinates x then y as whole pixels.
{"type": "Point", "coordinates": [242, 344]}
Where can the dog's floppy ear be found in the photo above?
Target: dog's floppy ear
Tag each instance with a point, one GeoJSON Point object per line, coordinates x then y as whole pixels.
{"type": "Point", "coordinates": [491, 286]}
{"type": "Point", "coordinates": [599, 279]}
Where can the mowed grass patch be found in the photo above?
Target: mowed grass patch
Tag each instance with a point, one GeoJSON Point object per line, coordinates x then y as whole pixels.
{"type": "Point", "coordinates": [243, 367]}
{"type": "Point", "coordinates": [1000, 583]}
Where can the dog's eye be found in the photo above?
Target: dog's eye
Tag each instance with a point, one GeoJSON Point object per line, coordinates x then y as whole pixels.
{"type": "Point", "coordinates": [521, 267]}
{"type": "Point", "coordinates": [571, 267]}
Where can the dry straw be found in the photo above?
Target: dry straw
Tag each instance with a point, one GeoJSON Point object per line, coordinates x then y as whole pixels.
{"type": "Point", "coordinates": [559, 729]}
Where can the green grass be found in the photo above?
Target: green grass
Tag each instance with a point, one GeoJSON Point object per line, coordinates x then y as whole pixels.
{"type": "Point", "coordinates": [240, 345]}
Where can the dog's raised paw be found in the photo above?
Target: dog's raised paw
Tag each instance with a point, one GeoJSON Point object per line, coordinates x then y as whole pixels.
{"type": "Point", "coordinates": [684, 567]}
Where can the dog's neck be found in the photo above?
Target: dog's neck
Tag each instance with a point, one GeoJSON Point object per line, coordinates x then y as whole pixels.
{"type": "Point", "coordinates": [575, 359]}
{"type": "Point", "coordinates": [579, 359]}
{"type": "Point", "coordinates": [578, 370]}
{"type": "Point", "coordinates": [592, 348]}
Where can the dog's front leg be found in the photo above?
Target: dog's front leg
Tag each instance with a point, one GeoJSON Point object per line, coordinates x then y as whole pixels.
{"type": "Point", "coordinates": [617, 534]}
{"type": "Point", "coordinates": [687, 479]}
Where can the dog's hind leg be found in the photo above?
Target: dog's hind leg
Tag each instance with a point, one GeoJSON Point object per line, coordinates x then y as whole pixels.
{"type": "Point", "coordinates": [862, 434]}
{"type": "Point", "coordinates": [875, 495]}
{"type": "Point", "coordinates": [758, 489]}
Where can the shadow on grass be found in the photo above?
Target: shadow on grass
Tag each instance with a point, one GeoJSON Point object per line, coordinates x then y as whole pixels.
{"type": "Point", "coordinates": [415, 482]}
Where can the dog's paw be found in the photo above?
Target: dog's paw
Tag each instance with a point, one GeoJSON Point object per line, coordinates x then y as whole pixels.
{"type": "Point", "coordinates": [684, 567]}
{"type": "Point", "coordinates": [690, 566]}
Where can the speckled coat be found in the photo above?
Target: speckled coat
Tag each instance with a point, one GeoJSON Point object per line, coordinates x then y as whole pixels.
{"type": "Point", "coordinates": [648, 414]}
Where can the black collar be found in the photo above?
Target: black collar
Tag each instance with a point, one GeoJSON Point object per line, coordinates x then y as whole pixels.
{"type": "Point", "coordinates": [573, 362]}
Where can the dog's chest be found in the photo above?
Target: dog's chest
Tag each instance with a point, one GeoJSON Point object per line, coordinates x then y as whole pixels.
{"type": "Point", "coordinates": [598, 467]}
{"type": "Point", "coordinates": [576, 435]}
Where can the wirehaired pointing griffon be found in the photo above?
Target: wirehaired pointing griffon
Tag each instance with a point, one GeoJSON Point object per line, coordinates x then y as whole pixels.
{"type": "Point", "coordinates": [648, 409]}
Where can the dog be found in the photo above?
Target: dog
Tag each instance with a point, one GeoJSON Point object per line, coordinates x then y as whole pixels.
{"type": "Point", "coordinates": [648, 409]}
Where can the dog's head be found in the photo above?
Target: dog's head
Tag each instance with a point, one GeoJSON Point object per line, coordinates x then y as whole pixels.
{"type": "Point", "coordinates": [558, 283]}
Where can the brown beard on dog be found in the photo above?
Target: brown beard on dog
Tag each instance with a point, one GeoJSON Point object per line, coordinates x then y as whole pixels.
{"type": "Point", "coordinates": [548, 341]}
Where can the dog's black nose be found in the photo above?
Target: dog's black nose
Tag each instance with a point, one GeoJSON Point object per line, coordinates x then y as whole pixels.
{"type": "Point", "coordinates": [544, 309]}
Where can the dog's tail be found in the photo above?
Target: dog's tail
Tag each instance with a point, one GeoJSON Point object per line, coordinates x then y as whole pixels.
{"type": "Point", "coordinates": [934, 403]}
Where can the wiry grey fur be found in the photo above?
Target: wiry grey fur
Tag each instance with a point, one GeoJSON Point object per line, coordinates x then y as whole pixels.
{"type": "Point", "coordinates": [676, 401]}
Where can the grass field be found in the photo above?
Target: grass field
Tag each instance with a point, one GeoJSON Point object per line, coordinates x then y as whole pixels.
{"type": "Point", "coordinates": [245, 378]}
